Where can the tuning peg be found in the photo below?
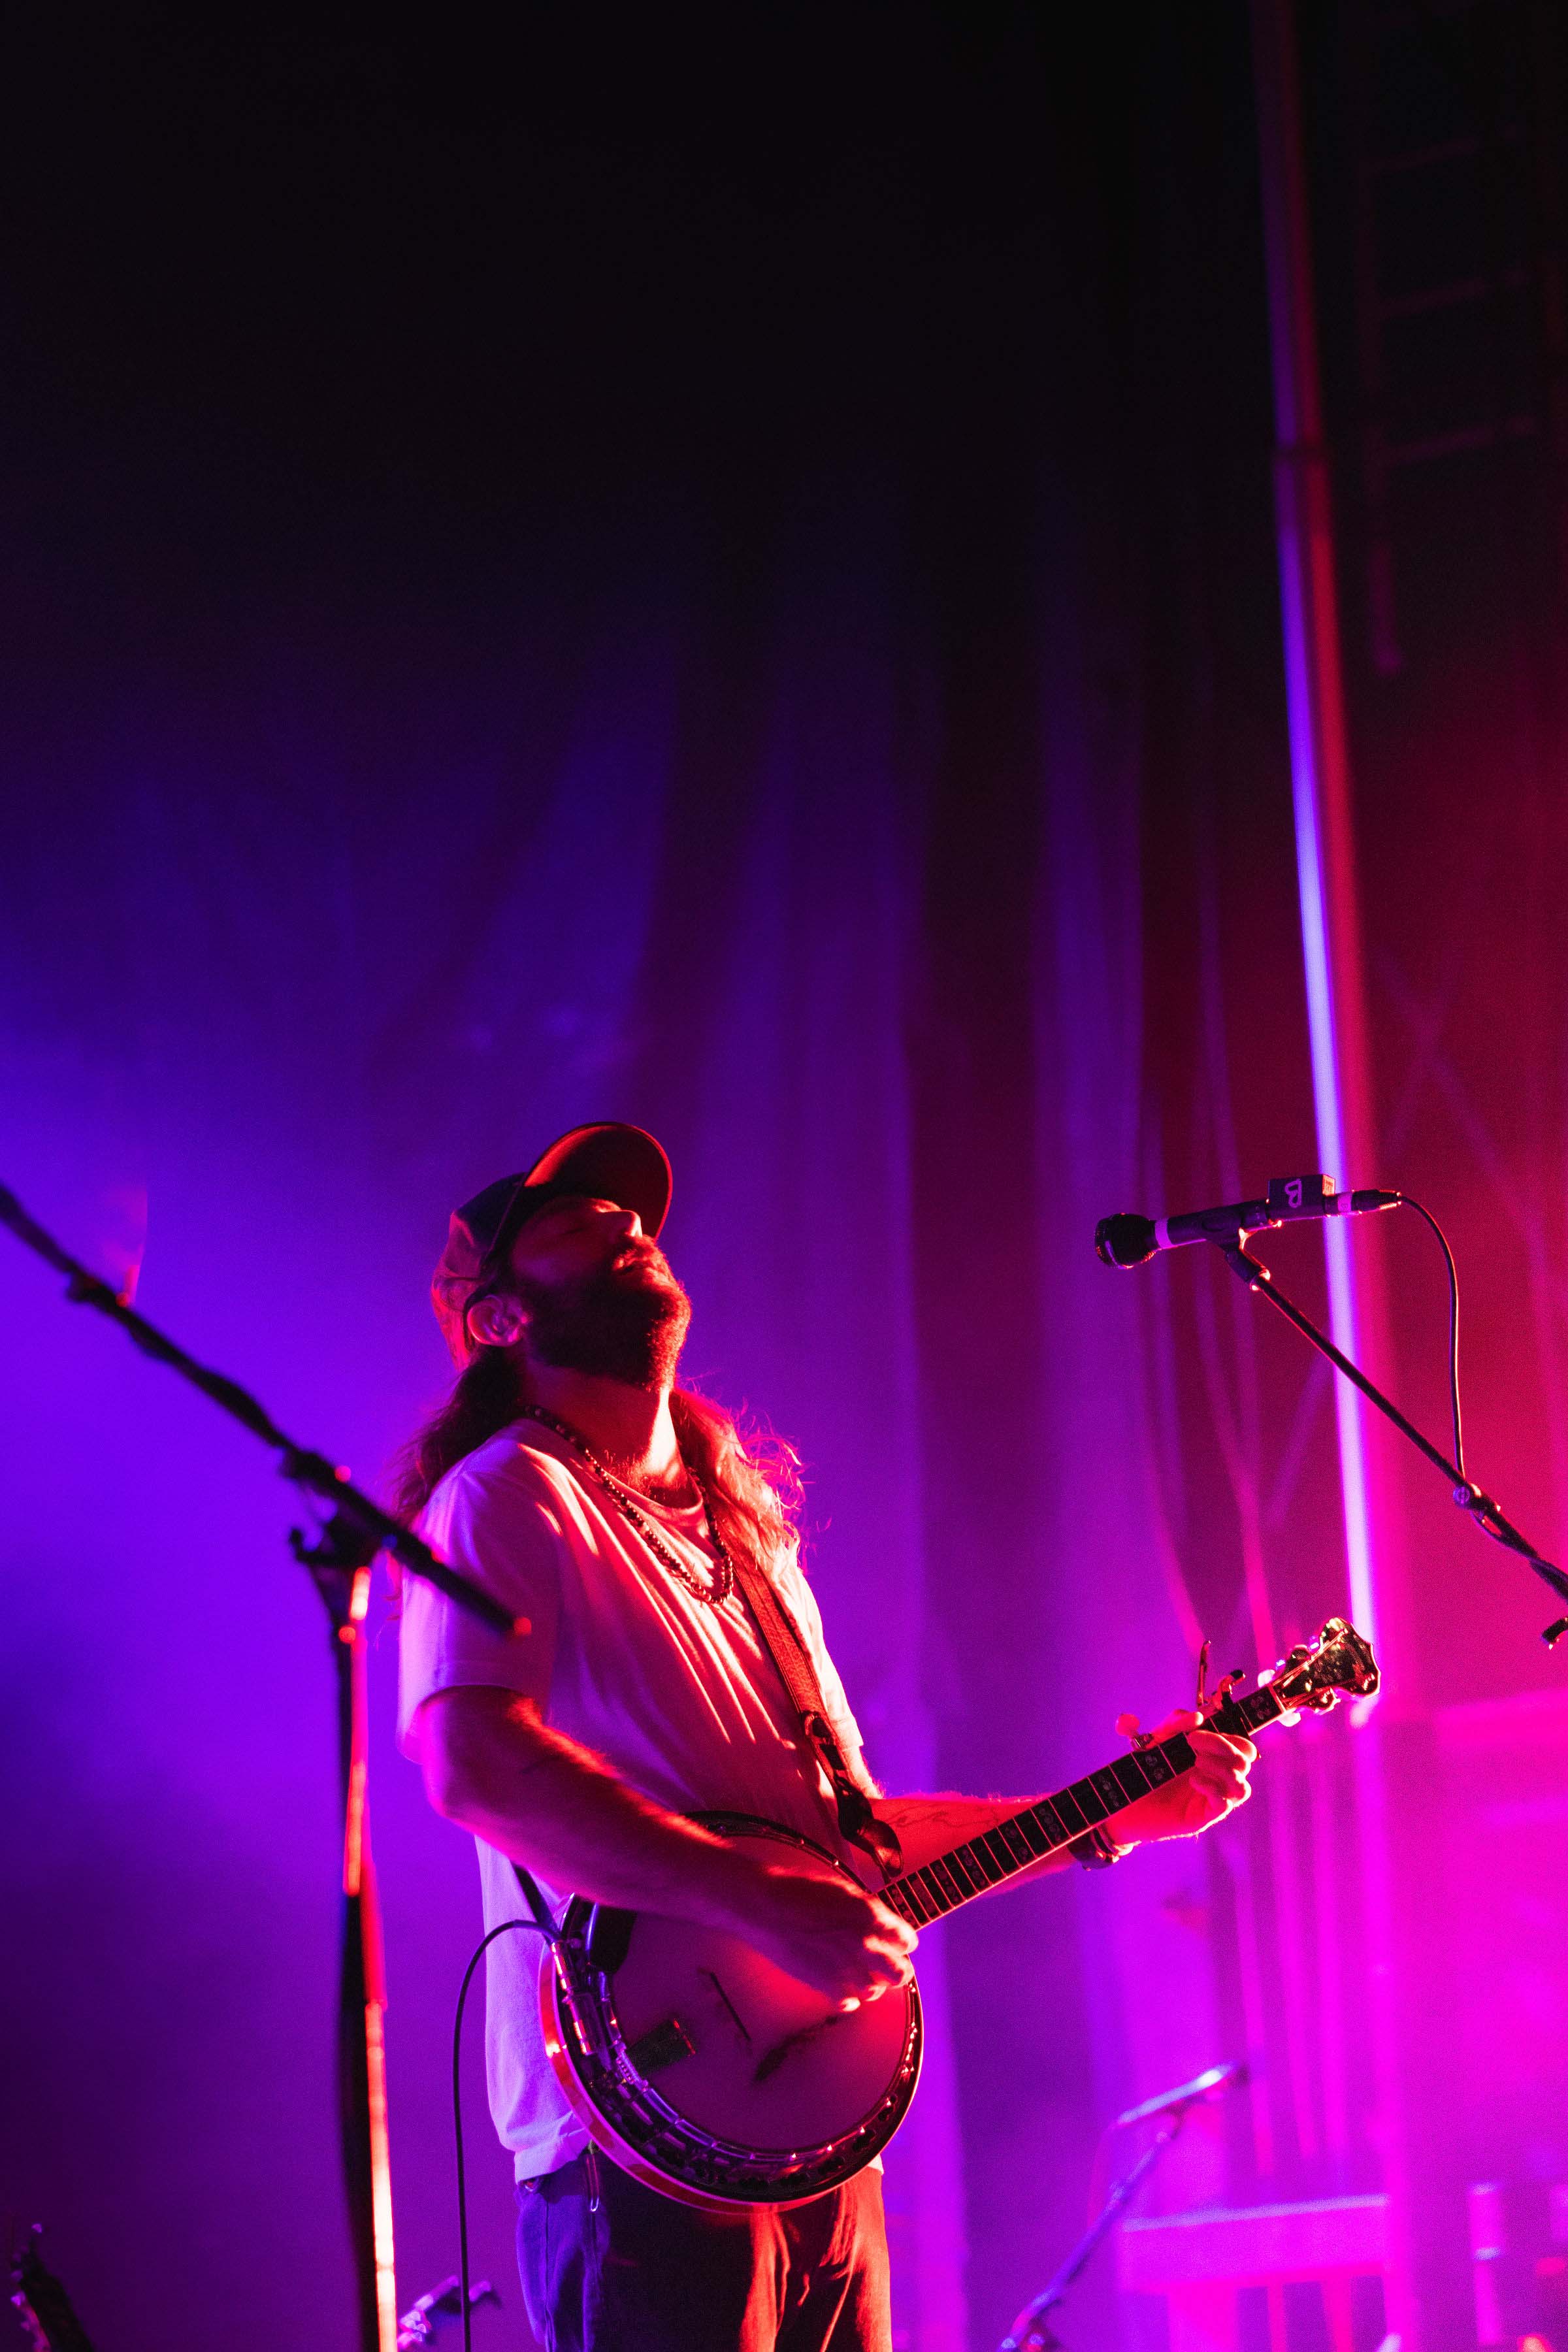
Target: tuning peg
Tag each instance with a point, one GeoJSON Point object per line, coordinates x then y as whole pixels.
{"type": "Point", "coordinates": [1127, 1728]}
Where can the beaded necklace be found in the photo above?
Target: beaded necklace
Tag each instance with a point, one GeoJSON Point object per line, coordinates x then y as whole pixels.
{"type": "Point", "coordinates": [723, 1584]}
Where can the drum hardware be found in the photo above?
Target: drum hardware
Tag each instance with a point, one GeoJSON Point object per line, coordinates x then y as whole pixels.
{"type": "Point", "coordinates": [426, 2320]}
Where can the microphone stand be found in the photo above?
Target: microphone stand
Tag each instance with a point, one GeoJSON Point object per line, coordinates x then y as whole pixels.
{"type": "Point", "coordinates": [357, 1530]}
{"type": "Point", "coordinates": [1031, 2332]}
{"type": "Point", "coordinates": [340, 1563]}
{"type": "Point", "coordinates": [1480, 1508]}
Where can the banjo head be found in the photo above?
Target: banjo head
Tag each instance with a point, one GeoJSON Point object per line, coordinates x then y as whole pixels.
{"type": "Point", "coordinates": [706, 2072]}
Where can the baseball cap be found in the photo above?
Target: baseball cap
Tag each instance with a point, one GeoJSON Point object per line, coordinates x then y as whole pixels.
{"type": "Point", "coordinates": [609, 1161]}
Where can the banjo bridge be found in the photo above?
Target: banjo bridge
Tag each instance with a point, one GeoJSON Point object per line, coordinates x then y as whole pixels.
{"type": "Point", "coordinates": [800, 2039]}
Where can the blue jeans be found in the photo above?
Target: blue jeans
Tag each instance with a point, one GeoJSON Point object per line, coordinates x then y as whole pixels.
{"type": "Point", "coordinates": [610, 2267]}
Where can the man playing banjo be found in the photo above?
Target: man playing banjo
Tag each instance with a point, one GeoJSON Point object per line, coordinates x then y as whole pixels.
{"type": "Point", "coordinates": [668, 1661]}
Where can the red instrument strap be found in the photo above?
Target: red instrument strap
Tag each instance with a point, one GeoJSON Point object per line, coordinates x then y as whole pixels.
{"type": "Point", "coordinates": [786, 1645]}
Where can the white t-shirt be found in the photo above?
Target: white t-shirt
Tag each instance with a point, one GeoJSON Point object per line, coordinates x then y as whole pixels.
{"type": "Point", "coordinates": [678, 1697]}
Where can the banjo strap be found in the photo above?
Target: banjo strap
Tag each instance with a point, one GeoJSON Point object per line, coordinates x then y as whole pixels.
{"type": "Point", "coordinates": [786, 1645]}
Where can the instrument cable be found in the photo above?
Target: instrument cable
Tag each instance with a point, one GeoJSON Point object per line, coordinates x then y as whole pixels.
{"type": "Point", "coordinates": [1406, 1203]}
{"type": "Point", "coordinates": [544, 1927]}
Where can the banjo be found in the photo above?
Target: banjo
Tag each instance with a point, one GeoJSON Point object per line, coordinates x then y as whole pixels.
{"type": "Point", "coordinates": [704, 2070]}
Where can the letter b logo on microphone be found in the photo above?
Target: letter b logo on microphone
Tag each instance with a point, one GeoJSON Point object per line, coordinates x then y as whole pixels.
{"type": "Point", "coordinates": [1301, 1196]}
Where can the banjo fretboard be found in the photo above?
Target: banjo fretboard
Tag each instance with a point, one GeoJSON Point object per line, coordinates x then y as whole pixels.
{"type": "Point", "coordinates": [1026, 1837]}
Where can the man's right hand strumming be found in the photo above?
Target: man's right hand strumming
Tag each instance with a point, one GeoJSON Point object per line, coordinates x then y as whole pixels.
{"type": "Point", "coordinates": [829, 1935]}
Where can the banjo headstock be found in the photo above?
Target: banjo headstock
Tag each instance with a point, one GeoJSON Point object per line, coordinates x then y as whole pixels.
{"type": "Point", "coordinates": [1317, 1674]}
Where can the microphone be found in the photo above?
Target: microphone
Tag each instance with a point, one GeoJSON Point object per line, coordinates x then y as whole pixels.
{"type": "Point", "coordinates": [1202, 2087]}
{"type": "Point", "coordinates": [1127, 1240]}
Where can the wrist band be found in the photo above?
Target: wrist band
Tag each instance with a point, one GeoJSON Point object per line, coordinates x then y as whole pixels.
{"type": "Point", "coordinates": [1095, 1851]}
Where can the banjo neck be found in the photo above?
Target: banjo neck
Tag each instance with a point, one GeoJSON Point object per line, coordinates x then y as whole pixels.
{"type": "Point", "coordinates": [1026, 1837]}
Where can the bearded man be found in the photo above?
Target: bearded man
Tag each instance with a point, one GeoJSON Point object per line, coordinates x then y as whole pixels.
{"type": "Point", "coordinates": [621, 1520]}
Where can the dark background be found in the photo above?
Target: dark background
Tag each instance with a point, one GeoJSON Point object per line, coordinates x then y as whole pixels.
{"type": "Point", "coordinates": [716, 567]}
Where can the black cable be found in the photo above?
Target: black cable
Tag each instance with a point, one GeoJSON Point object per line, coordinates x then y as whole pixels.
{"type": "Point", "coordinates": [1480, 1508]}
{"type": "Point", "coordinates": [536, 1927]}
{"type": "Point", "coordinates": [1406, 1203]}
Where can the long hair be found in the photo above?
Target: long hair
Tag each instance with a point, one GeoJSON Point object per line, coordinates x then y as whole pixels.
{"type": "Point", "coordinates": [486, 1396]}
{"type": "Point", "coordinates": [751, 1478]}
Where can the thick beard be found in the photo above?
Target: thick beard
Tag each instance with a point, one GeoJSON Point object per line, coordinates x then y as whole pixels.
{"type": "Point", "coordinates": [624, 1323]}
